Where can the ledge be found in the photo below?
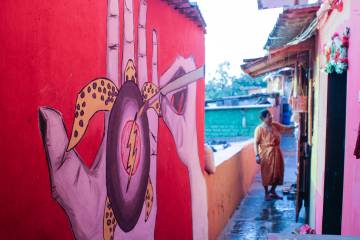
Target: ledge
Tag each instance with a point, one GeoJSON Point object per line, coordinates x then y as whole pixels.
{"type": "Point", "coordinates": [227, 154]}
{"type": "Point", "coordinates": [239, 107]}
{"type": "Point", "coordinates": [228, 186]}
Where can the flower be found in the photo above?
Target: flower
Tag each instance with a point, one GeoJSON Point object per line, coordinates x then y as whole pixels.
{"type": "Point", "coordinates": [305, 229]}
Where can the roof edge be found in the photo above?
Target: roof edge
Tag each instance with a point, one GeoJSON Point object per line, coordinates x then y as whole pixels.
{"type": "Point", "coordinates": [190, 9]}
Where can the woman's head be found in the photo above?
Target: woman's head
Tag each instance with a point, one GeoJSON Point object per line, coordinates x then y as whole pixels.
{"type": "Point", "coordinates": [266, 116]}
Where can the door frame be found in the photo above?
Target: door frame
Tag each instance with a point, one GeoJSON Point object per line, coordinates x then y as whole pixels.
{"type": "Point", "coordinates": [334, 153]}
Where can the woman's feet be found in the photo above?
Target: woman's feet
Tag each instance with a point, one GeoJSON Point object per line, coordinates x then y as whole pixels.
{"type": "Point", "coordinates": [267, 197]}
{"type": "Point", "coordinates": [270, 195]}
{"type": "Point", "coordinates": [273, 195]}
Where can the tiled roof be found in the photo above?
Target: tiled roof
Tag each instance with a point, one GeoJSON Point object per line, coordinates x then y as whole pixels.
{"type": "Point", "coordinates": [283, 57]}
{"type": "Point", "coordinates": [190, 10]}
{"type": "Point", "coordinates": [265, 4]}
{"type": "Point", "coordinates": [292, 25]}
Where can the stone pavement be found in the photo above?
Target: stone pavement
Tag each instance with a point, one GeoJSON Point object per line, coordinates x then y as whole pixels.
{"type": "Point", "coordinates": [255, 218]}
{"type": "Point", "coordinates": [274, 236]}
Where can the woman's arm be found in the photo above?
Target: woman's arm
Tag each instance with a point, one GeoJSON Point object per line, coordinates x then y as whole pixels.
{"type": "Point", "coordinates": [256, 148]}
{"type": "Point", "coordinates": [257, 155]}
{"type": "Point", "coordinates": [256, 144]}
{"type": "Point", "coordinates": [283, 128]}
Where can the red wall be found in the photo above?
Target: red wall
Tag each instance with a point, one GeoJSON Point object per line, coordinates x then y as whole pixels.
{"type": "Point", "coordinates": [49, 51]}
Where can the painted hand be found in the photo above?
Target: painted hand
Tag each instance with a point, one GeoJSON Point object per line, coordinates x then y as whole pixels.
{"type": "Point", "coordinates": [80, 190]}
{"type": "Point", "coordinates": [179, 113]}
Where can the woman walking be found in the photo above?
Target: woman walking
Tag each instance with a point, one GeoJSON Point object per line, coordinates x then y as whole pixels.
{"type": "Point", "coordinates": [268, 153]}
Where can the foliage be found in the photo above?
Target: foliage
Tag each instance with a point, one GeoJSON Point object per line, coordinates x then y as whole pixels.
{"type": "Point", "coordinates": [336, 53]}
{"type": "Point", "coordinates": [225, 85]}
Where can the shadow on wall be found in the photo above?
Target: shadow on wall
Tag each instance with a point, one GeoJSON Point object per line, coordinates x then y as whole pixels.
{"type": "Point", "coordinates": [228, 186]}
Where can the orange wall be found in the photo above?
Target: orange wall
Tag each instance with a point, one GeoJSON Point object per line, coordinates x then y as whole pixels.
{"type": "Point", "coordinates": [228, 186]}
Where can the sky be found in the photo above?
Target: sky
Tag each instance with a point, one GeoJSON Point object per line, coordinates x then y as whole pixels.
{"type": "Point", "coordinates": [236, 29]}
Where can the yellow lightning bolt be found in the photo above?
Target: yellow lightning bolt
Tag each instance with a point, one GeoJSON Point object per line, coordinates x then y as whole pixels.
{"type": "Point", "coordinates": [132, 151]}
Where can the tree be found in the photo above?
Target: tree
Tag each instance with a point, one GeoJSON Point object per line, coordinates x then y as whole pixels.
{"type": "Point", "coordinates": [224, 85]}
{"type": "Point", "coordinates": [219, 85]}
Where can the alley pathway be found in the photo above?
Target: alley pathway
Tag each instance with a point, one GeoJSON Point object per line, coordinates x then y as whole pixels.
{"type": "Point", "coordinates": [254, 218]}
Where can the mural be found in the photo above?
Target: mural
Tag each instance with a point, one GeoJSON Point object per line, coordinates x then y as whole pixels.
{"type": "Point", "coordinates": [116, 197]}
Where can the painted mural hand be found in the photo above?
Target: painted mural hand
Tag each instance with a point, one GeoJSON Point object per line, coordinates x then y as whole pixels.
{"type": "Point", "coordinates": [116, 197]}
{"type": "Point", "coordinates": [179, 113]}
{"type": "Point", "coordinates": [78, 189]}
{"type": "Point", "coordinates": [82, 191]}
{"type": "Point", "coordinates": [181, 117]}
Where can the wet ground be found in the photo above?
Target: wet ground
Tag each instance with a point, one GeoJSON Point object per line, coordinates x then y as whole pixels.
{"type": "Point", "coordinates": [255, 218]}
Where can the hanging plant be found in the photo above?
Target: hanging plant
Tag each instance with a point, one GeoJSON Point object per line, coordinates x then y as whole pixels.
{"type": "Point", "coordinates": [337, 4]}
{"type": "Point", "coordinates": [336, 53]}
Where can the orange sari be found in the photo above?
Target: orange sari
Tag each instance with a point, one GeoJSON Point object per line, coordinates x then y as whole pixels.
{"type": "Point", "coordinates": [272, 161]}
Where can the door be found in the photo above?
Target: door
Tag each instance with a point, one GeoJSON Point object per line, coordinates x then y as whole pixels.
{"type": "Point", "coordinates": [304, 152]}
{"type": "Point", "coordinates": [334, 153]}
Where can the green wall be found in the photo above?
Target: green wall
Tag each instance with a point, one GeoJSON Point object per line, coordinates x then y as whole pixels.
{"type": "Point", "coordinates": [224, 123]}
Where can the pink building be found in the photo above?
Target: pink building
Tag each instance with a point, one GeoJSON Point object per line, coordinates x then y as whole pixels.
{"type": "Point", "coordinates": [320, 42]}
{"type": "Point", "coordinates": [337, 178]}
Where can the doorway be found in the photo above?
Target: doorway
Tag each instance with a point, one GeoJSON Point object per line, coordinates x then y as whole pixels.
{"type": "Point", "coordinates": [334, 153]}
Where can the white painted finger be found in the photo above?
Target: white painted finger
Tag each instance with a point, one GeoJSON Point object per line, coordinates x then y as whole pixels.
{"type": "Point", "coordinates": [129, 51]}
{"type": "Point", "coordinates": [190, 104]}
{"type": "Point", "coordinates": [154, 62]}
{"type": "Point", "coordinates": [142, 60]}
{"type": "Point", "coordinates": [174, 121]}
{"type": "Point", "coordinates": [54, 136]}
{"type": "Point", "coordinates": [113, 42]}
{"type": "Point", "coordinates": [183, 81]}
{"type": "Point", "coordinates": [67, 172]}
{"type": "Point", "coordinates": [187, 64]}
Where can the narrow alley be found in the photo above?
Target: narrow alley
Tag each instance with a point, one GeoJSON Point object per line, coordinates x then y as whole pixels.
{"type": "Point", "coordinates": [254, 218]}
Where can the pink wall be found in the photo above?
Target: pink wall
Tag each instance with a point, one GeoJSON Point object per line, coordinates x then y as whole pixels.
{"type": "Point", "coordinates": [337, 22]}
{"type": "Point", "coordinates": [351, 198]}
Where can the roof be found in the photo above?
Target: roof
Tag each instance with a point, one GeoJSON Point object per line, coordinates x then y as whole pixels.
{"type": "Point", "coordinates": [285, 71]}
{"type": "Point", "coordinates": [290, 38]}
{"type": "Point", "coordinates": [284, 57]}
{"type": "Point", "coordinates": [242, 97]}
{"type": "Point", "coordinates": [190, 10]}
{"type": "Point", "coordinates": [293, 25]}
{"type": "Point", "coordinates": [265, 4]}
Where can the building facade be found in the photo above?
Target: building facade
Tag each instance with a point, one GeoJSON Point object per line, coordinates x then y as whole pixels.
{"type": "Point", "coordinates": [92, 152]}
{"type": "Point", "coordinates": [334, 18]}
{"type": "Point", "coordinates": [320, 42]}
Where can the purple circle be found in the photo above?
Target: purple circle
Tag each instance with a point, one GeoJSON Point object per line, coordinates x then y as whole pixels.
{"type": "Point", "coordinates": [127, 200]}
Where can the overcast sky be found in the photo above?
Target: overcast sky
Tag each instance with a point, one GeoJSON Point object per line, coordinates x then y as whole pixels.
{"type": "Point", "coordinates": [236, 29]}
